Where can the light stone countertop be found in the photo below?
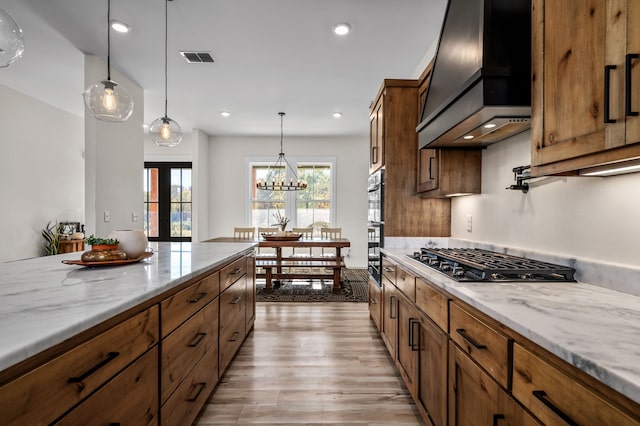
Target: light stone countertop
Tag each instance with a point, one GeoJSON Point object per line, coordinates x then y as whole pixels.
{"type": "Point", "coordinates": [43, 301]}
{"type": "Point", "coordinates": [593, 328]}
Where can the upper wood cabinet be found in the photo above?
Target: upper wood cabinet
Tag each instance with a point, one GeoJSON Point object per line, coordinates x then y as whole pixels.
{"type": "Point", "coordinates": [586, 75]}
{"type": "Point", "coordinates": [394, 146]}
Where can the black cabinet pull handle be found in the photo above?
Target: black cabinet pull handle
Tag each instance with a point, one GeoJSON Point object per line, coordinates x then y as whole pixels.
{"type": "Point", "coordinates": [236, 271]}
{"type": "Point", "coordinates": [607, 92]}
{"type": "Point", "coordinates": [387, 269]}
{"type": "Point", "coordinates": [627, 91]}
{"type": "Point", "coordinates": [374, 155]}
{"type": "Point", "coordinates": [542, 396]}
{"type": "Point", "coordinates": [197, 298]}
{"type": "Point", "coordinates": [430, 168]}
{"type": "Point", "coordinates": [465, 336]}
{"type": "Point", "coordinates": [235, 336]}
{"type": "Point", "coordinates": [496, 418]}
{"type": "Point", "coordinates": [201, 387]}
{"type": "Point", "coordinates": [197, 339]}
{"type": "Point", "coordinates": [114, 424]}
{"type": "Point", "coordinates": [391, 298]}
{"type": "Point", "coordinates": [110, 357]}
{"type": "Point", "coordinates": [236, 300]}
{"type": "Point", "coordinates": [373, 301]}
{"type": "Point", "coordinates": [414, 343]}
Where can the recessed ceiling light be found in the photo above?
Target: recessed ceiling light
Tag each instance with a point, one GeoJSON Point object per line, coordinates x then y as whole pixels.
{"type": "Point", "coordinates": [225, 114]}
{"type": "Point", "coordinates": [342, 28]}
{"type": "Point", "coordinates": [468, 137]}
{"type": "Point", "coordinates": [120, 27]}
{"type": "Point", "coordinates": [337, 114]}
{"type": "Point", "coordinates": [489, 126]}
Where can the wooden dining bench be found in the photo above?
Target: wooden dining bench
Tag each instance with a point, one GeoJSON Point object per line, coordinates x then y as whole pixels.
{"type": "Point", "coordinates": [309, 263]}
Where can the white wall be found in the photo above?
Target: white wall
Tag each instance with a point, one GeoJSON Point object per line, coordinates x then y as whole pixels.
{"type": "Point", "coordinates": [41, 170]}
{"type": "Point", "coordinates": [114, 155]}
{"type": "Point", "coordinates": [589, 217]}
{"type": "Point", "coordinates": [229, 194]}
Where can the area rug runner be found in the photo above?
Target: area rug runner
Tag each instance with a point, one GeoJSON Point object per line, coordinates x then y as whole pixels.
{"type": "Point", "coordinates": [354, 288]}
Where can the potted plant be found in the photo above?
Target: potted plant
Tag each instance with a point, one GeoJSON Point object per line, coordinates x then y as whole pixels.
{"type": "Point", "coordinates": [281, 220]}
{"type": "Point", "coordinates": [101, 244]}
{"type": "Point", "coordinates": [52, 234]}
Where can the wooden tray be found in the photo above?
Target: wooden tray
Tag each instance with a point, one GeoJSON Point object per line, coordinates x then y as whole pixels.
{"type": "Point", "coordinates": [145, 255]}
{"type": "Point", "coordinates": [274, 237]}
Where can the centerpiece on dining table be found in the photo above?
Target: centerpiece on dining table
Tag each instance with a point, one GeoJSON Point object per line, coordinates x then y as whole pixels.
{"type": "Point", "coordinates": [282, 234]}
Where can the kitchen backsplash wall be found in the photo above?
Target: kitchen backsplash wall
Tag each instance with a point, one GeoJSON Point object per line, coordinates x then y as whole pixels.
{"type": "Point", "coordinates": [588, 217]}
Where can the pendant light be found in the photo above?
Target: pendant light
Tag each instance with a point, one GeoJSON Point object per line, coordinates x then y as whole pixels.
{"type": "Point", "coordinates": [11, 40]}
{"type": "Point", "coordinates": [165, 131]}
{"type": "Point", "coordinates": [280, 183]}
{"type": "Point", "coordinates": [106, 99]}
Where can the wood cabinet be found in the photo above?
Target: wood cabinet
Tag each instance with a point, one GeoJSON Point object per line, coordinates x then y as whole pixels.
{"type": "Point", "coordinates": [543, 389]}
{"type": "Point", "coordinates": [432, 377]}
{"type": "Point", "coordinates": [449, 172]}
{"type": "Point", "coordinates": [390, 317]}
{"type": "Point", "coordinates": [475, 399]}
{"type": "Point", "coordinates": [250, 294]}
{"type": "Point", "coordinates": [47, 392]}
{"type": "Point", "coordinates": [408, 343]}
{"type": "Point", "coordinates": [584, 85]}
{"type": "Point", "coordinates": [376, 135]}
{"type": "Point", "coordinates": [375, 303]}
{"type": "Point", "coordinates": [233, 326]}
{"type": "Point", "coordinates": [393, 118]}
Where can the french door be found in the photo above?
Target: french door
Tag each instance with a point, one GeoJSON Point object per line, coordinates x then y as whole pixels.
{"type": "Point", "coordinates": [167, 201]}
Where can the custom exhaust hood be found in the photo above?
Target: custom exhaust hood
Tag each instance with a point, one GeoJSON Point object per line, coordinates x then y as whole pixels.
{"type": "Point", "coordinates": [480, 87]}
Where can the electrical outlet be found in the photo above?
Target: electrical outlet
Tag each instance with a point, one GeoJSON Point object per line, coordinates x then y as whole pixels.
{"type": "Point", "coordinates": [134, 217]}
{"type": "Point", "coordinates": [469, 223]}
{"type": "Point", "coordinates": [107, 217]}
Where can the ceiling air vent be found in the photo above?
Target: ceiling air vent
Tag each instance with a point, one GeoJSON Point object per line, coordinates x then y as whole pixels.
{"type": "Point", "coordinates": [197, 57]}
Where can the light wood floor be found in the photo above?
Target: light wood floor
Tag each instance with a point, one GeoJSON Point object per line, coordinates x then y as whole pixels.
{"type": "Point", "coordinates": [311, 363]}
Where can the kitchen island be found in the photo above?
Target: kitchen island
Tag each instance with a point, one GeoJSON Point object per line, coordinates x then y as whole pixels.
{"type": "Point", "coordinates": [592, 329]}
{"type": "Point", "coordinates": [51, 310]}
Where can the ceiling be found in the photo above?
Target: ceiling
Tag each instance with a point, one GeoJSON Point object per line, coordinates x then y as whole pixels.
{"type": "Point", "coordinates": [270, 56]}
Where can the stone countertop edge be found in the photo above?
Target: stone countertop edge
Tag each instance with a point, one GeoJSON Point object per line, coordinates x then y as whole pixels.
{"type": "Point", "coordinates": [564, 318]}
{"type": "Point", "coordinates": [44, 302]}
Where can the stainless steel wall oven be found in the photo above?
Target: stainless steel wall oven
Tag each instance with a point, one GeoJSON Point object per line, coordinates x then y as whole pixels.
{"type": "Point", "coordinates": [376, 223]}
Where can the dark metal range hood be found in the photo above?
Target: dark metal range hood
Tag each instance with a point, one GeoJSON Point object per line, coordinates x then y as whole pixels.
{"type": "Point", "coordinates": [480, 87]}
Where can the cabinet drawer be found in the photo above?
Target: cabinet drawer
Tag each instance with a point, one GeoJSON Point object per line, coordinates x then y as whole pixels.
{"type": "Point", "coordinates": [433, 303]}
{"type": "Point", "coordinates": [232, 272]}
{"type": "Point", "coordinates": [232, 332]}
{"type": "Point", "coordinates": [186, 402]}
{"type": "Point", "coordinates": [130, 398]}
{"type": "Point", "coordinates": [183, 348]}
{"type": "Point", "coordinates": [389, 269]}
{"type": "Point", "coordinates": [46, 392]}
{"type": "Point", "coordinates": [375, 303]}
{"type": "Point", "coordinates": [232, 301]}
{"type": "Point", "coordinates": [406, 282]}
{"type": "Point", "coordinates": [179, 307]}
{"type": "Point", "coordinates": [556, 398]}
{"type": "Point", "coordinates": [485, 345]}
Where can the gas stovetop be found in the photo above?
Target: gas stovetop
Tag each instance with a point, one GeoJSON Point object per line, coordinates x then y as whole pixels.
{"type": "Point", "coordinates": [483, 265]}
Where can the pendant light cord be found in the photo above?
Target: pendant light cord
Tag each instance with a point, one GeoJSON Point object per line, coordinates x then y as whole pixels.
{"type": "Point", "coordinates": [281, 132]}
{"type": "Point", "coordinates": [166, 30]}
{"type": "Point", "coordinates": [108, 39]}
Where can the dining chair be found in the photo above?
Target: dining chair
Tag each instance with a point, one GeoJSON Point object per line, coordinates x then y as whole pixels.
{"type": "Point", "coordinates": [307, 234]}
{"type": "Point", "coordinates": [330, 233]}
{"type": "Point", "coordinates": [266, 251]}
{"type": "Point", "coordinates": [240, 233]}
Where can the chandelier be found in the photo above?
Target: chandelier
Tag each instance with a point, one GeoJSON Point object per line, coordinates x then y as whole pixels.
{"type": "Point", "coordinates": [280, 183]}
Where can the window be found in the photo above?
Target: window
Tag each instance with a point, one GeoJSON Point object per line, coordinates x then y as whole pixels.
{"type": "Point", "coordinates": [313, 207]}
{"type": "Point", "coordinates": [167, 201]}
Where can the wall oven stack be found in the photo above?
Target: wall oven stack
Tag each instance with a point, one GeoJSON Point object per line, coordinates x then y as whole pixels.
{"type": "Point", "coordinates": [376, 223]}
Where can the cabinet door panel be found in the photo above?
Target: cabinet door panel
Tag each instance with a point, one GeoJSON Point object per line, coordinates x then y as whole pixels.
{"type": "Point", "coordinates": [432, 387]}
{"type": "Point", "coordinates": [177, 308]}
{"type": "Point", "coordinates": [633, 47]}
{"type": "Point", "coordinates": [375, 303]}
{"type": "Point", "coordinates": [408, 343]}
{"type": "Point", "coordinates": [428, 170]}
{"type": "Point", "coordinates": [390, 317]}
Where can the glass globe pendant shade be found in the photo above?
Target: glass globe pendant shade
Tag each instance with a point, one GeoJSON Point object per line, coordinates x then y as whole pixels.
{"type": "Point", "coordinates": [165, 132]}
{"type": "Point", "coordinates": [108, 101]}
{"type": "Point", "coordinates": [11, 40]}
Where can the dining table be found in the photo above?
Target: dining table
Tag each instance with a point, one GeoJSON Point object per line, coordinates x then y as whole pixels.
{"type": "Point", "coordinates": [274, 265]}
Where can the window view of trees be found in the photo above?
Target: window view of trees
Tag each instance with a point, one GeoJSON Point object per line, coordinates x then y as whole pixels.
{"type": "Point", "coordinates": [308, 208]}
{"type": "Point", "coordinates": [167, 201]}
